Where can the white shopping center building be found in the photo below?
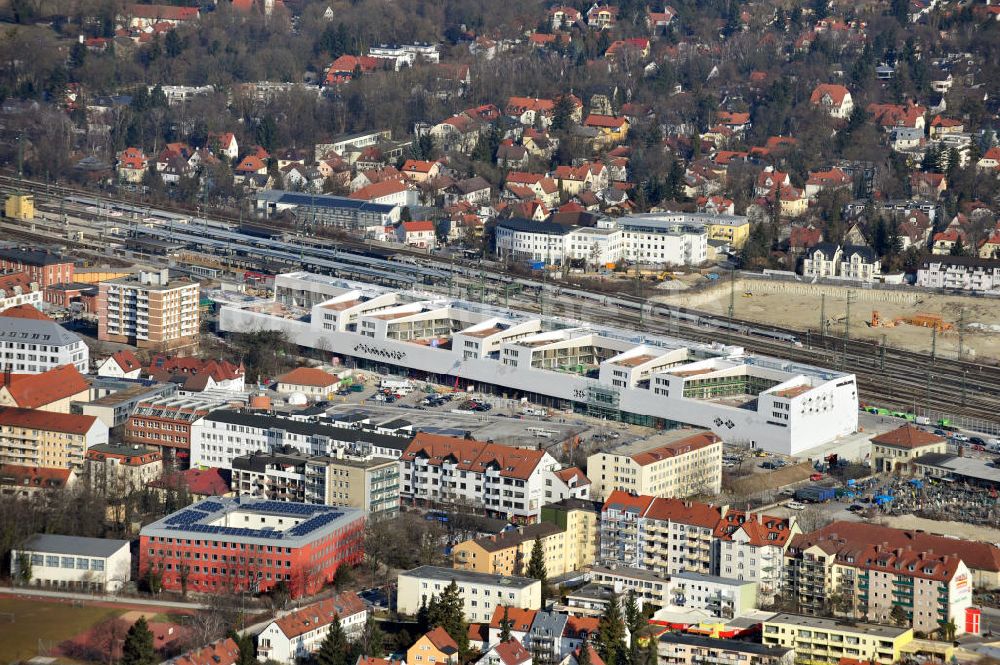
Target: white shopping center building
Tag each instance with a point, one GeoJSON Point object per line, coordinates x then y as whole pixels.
{"type": "Point", "coordinates": [605, 372]}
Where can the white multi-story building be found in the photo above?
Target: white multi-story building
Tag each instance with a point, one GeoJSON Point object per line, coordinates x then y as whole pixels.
{"type": "Point", "coordinates": [822, 260]}
{"type": "Point", "coordinates": [299, 633]}
{"type": "Point", "coordinates": [225, 434]}
{"type": "Point", "coordinates": [760, 402]}
{"type": "Point", "coordinates": [967, 273]}
{"type": "Point", "coordinates": [481, 593]}
{"type": "Point", "coordinates": [407, 54]}
{"type": "Point", "coordinates": [33, 346]}
{"type": "Point", "coordinates": [508, 482]}
{"type": "Point", "coordinates": [72, 562]}
{"type": "Point", "coordinates": [19, 289]}
{"type": "Point", "coordinates": [721, 596]}
{"type": "Point", "coordinates": [664, 239]}
{"type": "Point", "coordinates": [752, 547]}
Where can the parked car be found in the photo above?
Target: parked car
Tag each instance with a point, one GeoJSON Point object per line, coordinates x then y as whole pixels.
{"type": "Point", "coordinates": [959, 437]}
{"type": "Point", "coordinates": [977, 440]}
{"type": "Point", "coordinates": [856, 508]}
{"type": "Point", "coordinates": [816, 476]}
{"type": "Point", "coordinates": [795, 505]}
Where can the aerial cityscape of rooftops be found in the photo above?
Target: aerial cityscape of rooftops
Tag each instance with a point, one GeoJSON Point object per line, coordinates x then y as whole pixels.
{"type": "Point", "coordinates": [462, 332]}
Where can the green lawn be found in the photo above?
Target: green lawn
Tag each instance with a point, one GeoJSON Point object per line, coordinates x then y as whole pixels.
{"type": "Point", "coordinates": [46, 621]}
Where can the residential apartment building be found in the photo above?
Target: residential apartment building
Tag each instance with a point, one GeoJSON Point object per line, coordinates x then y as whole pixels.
{"type": "Point", "coordinates": [723, 597]}
{"type": "Point", "coordinates": [872, 575]}
{"type": "Point", "coordinates": [110, 467]}
{"type": "Point", "coordinates": [302, 545]}
{"type": "Point", "coordinates": [149, 310]}
{"type": "Point", "coordinates": [508, 552]}
{"type": "Point", "coordinates": [666, 240]}
{"type": "Point", "coordinates": [55, 440]}
{"type": "Point", "coordinates": [299, 633]}
{"type": "Point", "coordinates": [967, 273]}
{"type": "Point", "coordinates": [581, 519]}
{"type": "Point", "coordinates": [507, 482]}
{"type": "Point", "coordinates": [780, 407]}
{"type": "Point", "coordinates": [30, 343]}
{"type": "Point", "coordinates": [821, 640]}
{"type": "Point", "coordinates": [18, 289]}
{"type": "Point", "coordinates": [369, 484]}
{"type": "Point", "coordinates": [649, 588]}
{"type": "Point", "coordinates": [676, 648]}
{"type": "Point", "coordinates": [42, 267]}
{"type": "Point", "coordinates": [666, 536]}
{"type": "Point", "coordinates": [822, 260]}
{"type": "Point", "coordinates": [101, 565]}
{"type": "Point", "coordinates": [225, 434]}
{"type": "Point", "coordinates": [751, 546]}
{"type": "Point", "coordinates": [481, 593]}
{"type": "Point", "coordinates": [680, 468]}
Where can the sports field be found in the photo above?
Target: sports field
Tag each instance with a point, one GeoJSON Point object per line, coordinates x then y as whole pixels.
{"type": "Point", "coordinates": [42, 624]}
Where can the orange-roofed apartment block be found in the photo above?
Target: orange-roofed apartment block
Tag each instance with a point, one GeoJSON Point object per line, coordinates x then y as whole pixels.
{"type": "Point", "coordinates": [661, 466]}
{"type": "Point", "coordinates": [150, 311]}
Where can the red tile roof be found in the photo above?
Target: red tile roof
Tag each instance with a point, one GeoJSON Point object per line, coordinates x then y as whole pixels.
{"type": "Point", "coordinates": [305, 619]}
{"type": "Point", "coordinates": [33, 391]}
{"type": "Point", "coordinates": [856, 536]}
{"type": "Point", "coordinates": [206, 482]}
{"type": "Point", "coordinates": [520, 619]}
{"type": "Point", "coordinates": [620, 500]}
{"type": "Point", "coordinates": [308, 376]}
{"type": "Point", "coordinates": [24, 312]}
{"type": "Point", "coordinates": [573, 473]}
{"type": "Point", "coordinates": [761, 530]}
{"type": "Point", "coordinates": [836, 92]}
{"type": "Point", "coordinates": [604, 121]}
{"type": "Point", "coordinates": [192, 373]}
{"type": "Point", "coordinates": [442, 641]}
{"type": "Point", "coordinates": [909, 437]}
{"type": "Point", "coordinates": [46, 421]}
{"type": "Point", "coordinates": [472, 455]}
{"type": "Point", "coordinates": [11, 281]}
{"type": "Point", "coordinates": [163, 12]}
{"type": "Point", "coordinates": [221, 652]}
{"type": "Point", "coordinates": [34, 477]}
{"type": "Point", "coordinates": [512, 652]}
{"type": "Point", "coordinates": [682, 447]}
{"type": "Point", "coordinates": [377, 190]}
{"type": "Point", "coordinates": [684, 512]}
{"type": "Point", "coordinates": [126, 360]}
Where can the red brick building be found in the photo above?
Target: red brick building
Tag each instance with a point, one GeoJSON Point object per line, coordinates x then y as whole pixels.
{"type": "Point", "coordinates": [45, 268]}
{"type": "Point", "coordinates": [166, 424]}
{"type": "Point", "coordinates": [251, 544]}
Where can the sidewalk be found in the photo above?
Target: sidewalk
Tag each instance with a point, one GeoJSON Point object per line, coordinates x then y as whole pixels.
{"type": "Point", "coordinates": [29, 592]}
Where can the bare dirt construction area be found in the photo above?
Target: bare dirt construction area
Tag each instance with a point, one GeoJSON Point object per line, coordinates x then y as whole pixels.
{"type": "Point", "coordinates": [800, 305]}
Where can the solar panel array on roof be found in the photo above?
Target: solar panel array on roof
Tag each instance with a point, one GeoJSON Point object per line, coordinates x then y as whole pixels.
{"type": "Point", "coordinates": [313, 523]}
{"type": "Point", "coordinates": [232, 531]}
{"type": "Point", "coordinates": [185, 518]}
{"type": "Point", "coordinates": [209, 506]}
{"type": "Point", "coordinates": [285, 508]}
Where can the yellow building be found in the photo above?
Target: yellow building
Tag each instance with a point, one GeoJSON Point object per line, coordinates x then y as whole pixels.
{"type": "Point", "coordinates": [733, 230]}
{"type": "Point", "coordinates": [681, 468]}
{"type": "Point", "coordinates": [42, 439]}
{"type": "Point", "coordinates": [508, 553]}
{"type": "Point", "coordinates": [818, 640]}
{"type": "Point", "coordinates": [610, 129]}
{"type": "Point", "coordinates": [895, 450]}
{"type": "Point", "coordinates": [436, 646]}
{"type": "Point", "coordinates": [581, 519]}
{"type": "Point", "coordinates": [20, 206]}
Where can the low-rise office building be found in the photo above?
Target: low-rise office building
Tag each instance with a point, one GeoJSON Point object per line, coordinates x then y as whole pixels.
{"type": "Point", "coordinates": [481, 592]}
{"type": "Point", "coordinates": [896, 450]}
{"type": "Point", "coordinates": [822, 640]}
{"type": "Point", "coordinates": [721, 596]}
{"type": "Point", "coordinates": [678, 468]}
{"type": "Point", "coordinates": [298, 544]}
{"type": "Point", "coordinates": [299, 633]}
{"type": "Point", "coordinates": [167, 423]}
{"type": "Point", "coordinates": [115, 400]}
{"type": "Point", "coordinates": [72, 562]}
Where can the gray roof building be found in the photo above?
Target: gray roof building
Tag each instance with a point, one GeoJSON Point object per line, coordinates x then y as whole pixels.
{"type": "Point", "coordinates": [72, 545]}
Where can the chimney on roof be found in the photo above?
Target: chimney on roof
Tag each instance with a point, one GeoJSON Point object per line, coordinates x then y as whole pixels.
{"type": "Point", "coordinates": [760, 518]}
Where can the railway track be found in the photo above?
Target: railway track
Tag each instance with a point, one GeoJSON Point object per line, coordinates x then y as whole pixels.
{"type": "Point", "coordinates": [887, 376]}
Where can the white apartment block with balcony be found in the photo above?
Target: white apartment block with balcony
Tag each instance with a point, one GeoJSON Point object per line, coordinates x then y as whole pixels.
{"type": "Point", "coordinates": [966, 273]}
{"type": "Point", "coordinates": [760, 402]}
{"type": "Point", "coordinates": [664, 239]}
{"type": "Point", "coordinates": [32, 346]}
{"type": "Point", "coordinates": [721, 596]}
{"type": "Point", "coordinates": [149, 310]}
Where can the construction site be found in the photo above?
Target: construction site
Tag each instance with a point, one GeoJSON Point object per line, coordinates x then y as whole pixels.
{"type": "Point", "coordinates": [905, 318]}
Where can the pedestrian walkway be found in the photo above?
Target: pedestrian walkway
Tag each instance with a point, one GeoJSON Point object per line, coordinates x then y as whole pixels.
{"type": "Point", "coordinates": [29, 592]}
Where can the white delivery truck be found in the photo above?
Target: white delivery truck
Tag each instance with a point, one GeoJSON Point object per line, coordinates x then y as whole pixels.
{"type": "Point", "coordinates": [396, 386]}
